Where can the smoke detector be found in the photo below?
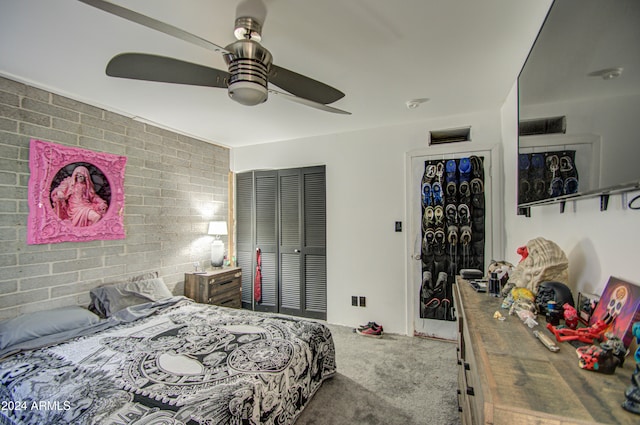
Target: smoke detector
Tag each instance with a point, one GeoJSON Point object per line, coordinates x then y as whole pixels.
{"type": "Point", "coordinates": [414, 103]}
{"type": "Point", "coordinates": [608, 73]}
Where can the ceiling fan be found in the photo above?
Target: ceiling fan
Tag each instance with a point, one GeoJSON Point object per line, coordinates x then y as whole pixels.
{"type": "Point", "coordinates": [250, 67]}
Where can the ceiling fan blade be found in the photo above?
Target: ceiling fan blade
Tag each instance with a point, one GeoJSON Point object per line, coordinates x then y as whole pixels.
{"type": "Point", "coordinates": [308, 102]}
{"type": "Point", "coordinates": [148, 22]}
{"type": "Point", "coordinates": [304, 87]}
{"type": "Point", "coordinates": [142, 66]}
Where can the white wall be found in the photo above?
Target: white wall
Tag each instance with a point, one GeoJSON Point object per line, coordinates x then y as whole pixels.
{"type": "Point", "coordinates": [598, 244]}
{"type": "Point", "coordinates": [365, 173]}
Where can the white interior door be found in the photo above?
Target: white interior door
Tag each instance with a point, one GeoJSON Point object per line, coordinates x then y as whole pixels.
{"type": "Point", "coordinates": [416, 164]}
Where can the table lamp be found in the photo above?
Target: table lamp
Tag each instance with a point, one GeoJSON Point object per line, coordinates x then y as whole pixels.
{"type": "Point", "coordinates": [217, 229]}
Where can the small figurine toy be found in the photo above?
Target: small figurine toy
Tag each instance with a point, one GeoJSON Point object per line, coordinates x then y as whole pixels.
{"type": "Point", "coordinates": [587, 335]}
{"type": "Point", "coordinates": [597, 359]}
{"type": "Point", "coordinates": [570, 316]}
{"type": "Point", "coordinates": [605, 358]}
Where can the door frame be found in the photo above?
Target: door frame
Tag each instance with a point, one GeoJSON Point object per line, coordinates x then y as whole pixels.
{"type": "Point", "coordinates": [494, 228]}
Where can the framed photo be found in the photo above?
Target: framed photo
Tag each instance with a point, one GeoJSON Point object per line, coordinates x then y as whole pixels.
{"type": "Point", "coordinates": [619, 305]}
{"type": "Point", "coordinates": [75, 195]}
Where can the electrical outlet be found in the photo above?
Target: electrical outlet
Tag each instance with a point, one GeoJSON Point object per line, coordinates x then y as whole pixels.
{"type": "Point", "coordinates": [354, 301]}
{"type": "Point", "coordinates": [363, 301]}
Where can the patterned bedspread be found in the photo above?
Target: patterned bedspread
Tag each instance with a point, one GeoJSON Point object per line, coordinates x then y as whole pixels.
{"type": "Point", "coordinates": [188, 364]}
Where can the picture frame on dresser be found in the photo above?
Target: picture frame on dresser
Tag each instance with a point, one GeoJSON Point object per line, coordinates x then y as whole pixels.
{"type": "Point", "coordinates": [74, 194]}
{"type": "Point", "coordinates": [620, 305]}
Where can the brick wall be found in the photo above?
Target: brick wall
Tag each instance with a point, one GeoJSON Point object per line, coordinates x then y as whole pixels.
{"type": "Point", "coordinates": [174, 185]}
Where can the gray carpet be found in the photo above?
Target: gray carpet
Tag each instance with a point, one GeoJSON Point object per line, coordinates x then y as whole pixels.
{"type": "Point", "coordinates": [387, 381]}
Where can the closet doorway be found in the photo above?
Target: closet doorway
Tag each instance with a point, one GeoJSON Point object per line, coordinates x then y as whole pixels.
{"type": "Point", "coordinates": [416, 163]}
{"type": "Point", "coordinates": [281, 240]}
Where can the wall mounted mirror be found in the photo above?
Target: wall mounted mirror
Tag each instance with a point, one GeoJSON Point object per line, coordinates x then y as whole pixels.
{"type": "Point", "coordinates": [579, 103]}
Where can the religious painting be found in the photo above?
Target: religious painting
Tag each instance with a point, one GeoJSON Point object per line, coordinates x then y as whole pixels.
{"type": "Point", "coordinates": [75, 195]}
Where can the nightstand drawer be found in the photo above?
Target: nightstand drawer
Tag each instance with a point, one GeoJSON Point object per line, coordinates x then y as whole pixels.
{"type": "Point", "coordinates": [224, 292]}
{"type": "Point", "coordinates": [216, 282]}
{"type": "Point", "coordinates": [220, 287]}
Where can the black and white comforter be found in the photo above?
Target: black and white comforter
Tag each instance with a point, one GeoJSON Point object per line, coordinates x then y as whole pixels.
{"type": "Point", "coordinates": [184, 363]}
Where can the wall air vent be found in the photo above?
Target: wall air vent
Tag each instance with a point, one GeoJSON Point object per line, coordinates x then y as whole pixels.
{"type": "Point", "coordinates": [553, 125]}
{"type": "Point", "coordinates": [440, 137]}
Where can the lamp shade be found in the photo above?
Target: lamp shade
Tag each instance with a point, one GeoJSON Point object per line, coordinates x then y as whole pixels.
{"type": "Point", "coordinates": [217, 228]}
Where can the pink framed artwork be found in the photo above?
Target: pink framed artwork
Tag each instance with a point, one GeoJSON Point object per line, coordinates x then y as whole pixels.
{"type": "Point", "coordinates": [75, 195]}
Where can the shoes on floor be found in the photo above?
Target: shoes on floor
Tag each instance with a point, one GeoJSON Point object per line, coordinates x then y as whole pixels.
{"type": "Point", "coordinates": [371, 329]}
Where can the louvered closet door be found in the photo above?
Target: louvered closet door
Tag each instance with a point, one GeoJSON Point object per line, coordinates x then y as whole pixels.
{"type": "Point", "coordinates": [314, 251]}
{"type": "Point", "coordinates": [266, 236]}
{"type": "Point", "coordinates": [290, 242]}
{"type": "Point", "coordinates": [302, 212]}
{"type": "Point", "coordinates": [284, 214]}
{"type": "Point", "coordinates": [244, 235]}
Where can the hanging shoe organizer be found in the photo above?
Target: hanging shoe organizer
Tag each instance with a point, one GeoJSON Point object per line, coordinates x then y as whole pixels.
{"type": "Point", "coordinates": [453, 215]}
{"type": "Point", "coordinates": [545, 175]}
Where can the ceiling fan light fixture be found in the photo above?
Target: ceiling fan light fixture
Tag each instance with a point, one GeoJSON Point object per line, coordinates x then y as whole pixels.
{"type": "Point", "coordinates": [249, 64]}
{"type": "Point", "coordinates": [248, 93]}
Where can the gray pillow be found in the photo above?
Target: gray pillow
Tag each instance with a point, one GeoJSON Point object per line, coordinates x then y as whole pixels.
{"type": "Point", "coordinates": [143, 276]}
{"type": "Point", "coordinates": [42, 323]}
{"type": "Point", "coordinates": [108, 299]}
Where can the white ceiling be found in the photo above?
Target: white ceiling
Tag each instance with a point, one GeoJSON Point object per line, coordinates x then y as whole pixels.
{"type": "Point", "coordinates": [464, 55]}
{"type": "Point", "coordinates": [581, 38]}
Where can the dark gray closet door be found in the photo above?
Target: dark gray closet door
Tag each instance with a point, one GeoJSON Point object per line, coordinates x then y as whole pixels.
{"type": "Point", "coordinates": [314, 250]}
{"type": "Point", "coordinates": [244, 235]}
{"type": "Point", "coordinates": [302, 214]}
{"type": "Point", "coordinates": [290, 188]}
{"type": "Point", "coordinates": [284, 214]}
{"type": "Point", "coordinates": [266, 236]}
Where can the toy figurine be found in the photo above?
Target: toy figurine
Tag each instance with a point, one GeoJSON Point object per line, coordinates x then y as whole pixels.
{"type": "Point", "coordinates": [597, 359]}
{"type": "Point", "coordinates": [615, 345]}
{"type": "Point", "coordinates": [570, 316]}
{"type": "Point", "coordinates": [605, 358]}
{"type": "Point", "coordinates": [587, 335]}
{"type": "Point", "coordinates": [632, 393]}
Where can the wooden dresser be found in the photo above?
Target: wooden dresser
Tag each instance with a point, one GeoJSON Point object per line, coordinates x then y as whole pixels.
{"type": "Point", "coordinates": [220, 287]}
{"type": "Point", "coordinates": [506, 376]}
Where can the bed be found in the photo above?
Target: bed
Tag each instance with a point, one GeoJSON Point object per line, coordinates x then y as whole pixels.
{"type": "Point", "coordinates": [157, 359]}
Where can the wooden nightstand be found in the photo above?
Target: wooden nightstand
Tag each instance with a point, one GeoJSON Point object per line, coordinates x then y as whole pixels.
{"type": "Point", "coordinates": [220, 287]}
